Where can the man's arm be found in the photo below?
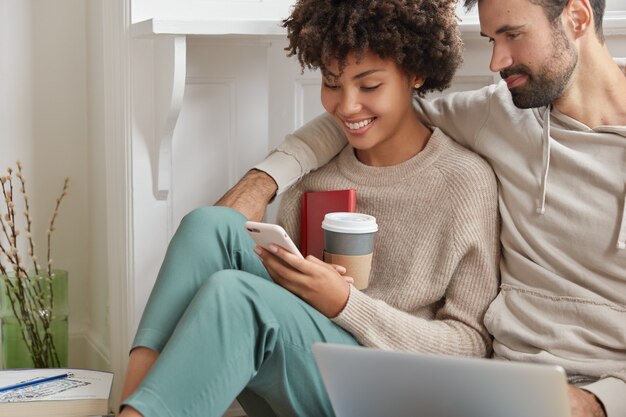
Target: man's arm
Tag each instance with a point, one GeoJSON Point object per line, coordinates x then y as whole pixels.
{"type": "Point", "coordinates": [307, 149]}
{"type": "Point", "coordinates": [250, 195]}
{"type": "Point", "coordinates": [584, 403]}
{"type": "Point", "coordinates": [313, 145]}
{"type": "Point", "coordinates": [610, 392]}
{"type": "Point", "coordinates": [460, 115]}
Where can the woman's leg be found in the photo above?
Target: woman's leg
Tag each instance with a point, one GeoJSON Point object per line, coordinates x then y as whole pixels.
{"type": "Point", "coordinates": [240, 332]}
{"type": "Point", "coordinates": [208, 240]}
{"type": "Point", "coordinates": [139, 363]}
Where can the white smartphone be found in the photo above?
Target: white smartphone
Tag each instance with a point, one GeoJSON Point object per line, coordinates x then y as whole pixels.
{"type": "Point", "coordinates": [265, 233]}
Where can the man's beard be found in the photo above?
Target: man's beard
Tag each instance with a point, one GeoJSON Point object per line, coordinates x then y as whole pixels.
{"type": "Point", "coordinates": [548, 83]}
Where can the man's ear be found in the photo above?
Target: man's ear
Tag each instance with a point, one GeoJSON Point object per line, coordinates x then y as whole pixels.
{"type": "Point", "coordinates": [578, 17]}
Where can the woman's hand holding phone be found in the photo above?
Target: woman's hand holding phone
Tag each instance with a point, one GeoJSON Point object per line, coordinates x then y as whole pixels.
{"type": "Point", "coordinates": [316, 282]}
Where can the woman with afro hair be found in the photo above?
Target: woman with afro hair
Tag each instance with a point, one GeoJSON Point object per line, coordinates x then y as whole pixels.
{"type": "Point", "coordinates": [229, 320]}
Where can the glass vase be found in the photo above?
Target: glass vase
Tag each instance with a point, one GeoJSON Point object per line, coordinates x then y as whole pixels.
{"type": "Point", "coordinates": [48, 334]}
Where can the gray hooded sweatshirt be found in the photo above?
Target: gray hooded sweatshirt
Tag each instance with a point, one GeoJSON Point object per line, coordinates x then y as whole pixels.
{"type": "Point", "coordinates": [562, 199]}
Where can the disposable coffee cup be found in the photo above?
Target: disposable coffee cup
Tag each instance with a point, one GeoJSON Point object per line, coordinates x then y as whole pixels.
{"type": "Point", "coordinates": [349, 242]}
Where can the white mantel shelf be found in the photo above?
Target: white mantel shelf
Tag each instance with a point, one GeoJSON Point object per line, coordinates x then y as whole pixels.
{"type": "Point", "coordinates": [614, 23]}
{"type": "Point", "coordinates": [153, 27]}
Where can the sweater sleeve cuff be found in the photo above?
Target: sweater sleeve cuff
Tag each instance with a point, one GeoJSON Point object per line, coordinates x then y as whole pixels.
{"type": "Point", "coordinates": [289, 162]}
{"type": "Point", "coordinates": [283, 168]}
{"type": "Point", "coordinates": [356, 317]}
{"type": "Point", "coordinates": [612, 393]}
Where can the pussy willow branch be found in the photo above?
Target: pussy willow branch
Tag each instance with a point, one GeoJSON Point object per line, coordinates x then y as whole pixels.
{"type": "Point", "coordinates": [28, 218]}
{"type": "Point", "coordinates": [25, 296]}
{"type": "Point", "coordinates": [29, 235]}
{"type": "Point", "coordinates": [25, 301]}
{"type": "Point", "coordinates": [30, 302]}
{"type": "Point", "coordinates": [3, 271]}
{"type": "Point", "coordinates": [51, 230]}
{"type": "Point", "coordinates": [7, 217]}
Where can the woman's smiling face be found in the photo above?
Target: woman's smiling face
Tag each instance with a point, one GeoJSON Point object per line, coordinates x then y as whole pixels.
{"type": "Point", "coordinates": [372, 101]}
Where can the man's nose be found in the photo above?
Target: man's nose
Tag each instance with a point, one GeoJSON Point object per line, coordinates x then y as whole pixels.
{"type": "Point", "coordinates": [500, 58]}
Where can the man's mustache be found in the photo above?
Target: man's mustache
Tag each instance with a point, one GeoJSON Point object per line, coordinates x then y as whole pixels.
{"type": "Point", "coordinates": [520, 69]}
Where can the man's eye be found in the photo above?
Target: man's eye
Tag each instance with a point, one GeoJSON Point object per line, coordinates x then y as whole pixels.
{"type": "Point", "coordinates": [372, 88]}
{"type": "Point", "coordinates": [512, 36]}
{"type": "Point", "coordinates": [490, 40]}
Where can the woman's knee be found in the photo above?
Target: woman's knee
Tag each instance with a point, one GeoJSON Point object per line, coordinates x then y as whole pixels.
{"type": "Point", "coordinates": [210, 217]}
{"type": "Point", "coordinates": [228, 281]}
{"type": "Point", "coordinates": [236, 287]}
{"type": "Point", "coordinates": [204, 225]}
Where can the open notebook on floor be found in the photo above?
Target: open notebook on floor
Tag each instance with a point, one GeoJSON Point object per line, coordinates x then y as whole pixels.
{"type": "Point", "coordinates": [54, 392]}
{"type": "Point", "coordinates": [364, 382]}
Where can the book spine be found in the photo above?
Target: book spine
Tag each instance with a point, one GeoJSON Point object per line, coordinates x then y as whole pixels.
{"type": "Point", "coordinates": [303, 225]}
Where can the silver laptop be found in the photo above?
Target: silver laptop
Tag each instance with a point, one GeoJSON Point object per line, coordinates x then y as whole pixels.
{"type": "Point", "coordinates": [365, 382]}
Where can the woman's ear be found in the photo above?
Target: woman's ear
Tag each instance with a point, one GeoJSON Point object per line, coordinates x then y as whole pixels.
{"type": "Point", "coordinates": [418, 82]}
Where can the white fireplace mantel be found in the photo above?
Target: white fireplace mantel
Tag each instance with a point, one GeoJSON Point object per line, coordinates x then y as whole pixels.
{"type": "Point", "coordinates": [170, 60]}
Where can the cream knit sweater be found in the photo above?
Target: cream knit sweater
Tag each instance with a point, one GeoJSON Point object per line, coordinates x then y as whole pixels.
{"type": "Point", "coordinates": [435, 266]}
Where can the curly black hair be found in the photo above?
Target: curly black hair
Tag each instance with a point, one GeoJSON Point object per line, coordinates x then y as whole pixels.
{"type": "Point", "coordinates": [421, 36]}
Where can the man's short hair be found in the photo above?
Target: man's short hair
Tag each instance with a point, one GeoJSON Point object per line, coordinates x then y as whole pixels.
{"type": "Point", "coordinates": [554, 8]}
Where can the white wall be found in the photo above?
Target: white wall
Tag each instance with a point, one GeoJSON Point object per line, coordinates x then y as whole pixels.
{"type": "Point", "coordinates": [16, 90]}
{"type": "Point", "coordinates": [44, 122]}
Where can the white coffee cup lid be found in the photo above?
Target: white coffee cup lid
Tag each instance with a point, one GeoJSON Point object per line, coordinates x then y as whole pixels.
{"type": "Point", "coordinates": [342, 222]}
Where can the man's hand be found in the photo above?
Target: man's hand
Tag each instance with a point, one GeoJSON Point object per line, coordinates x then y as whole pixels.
{"type": "Point", "coordinates": [250, 195]}
{"type": "Point", "coordinates": [584, 404]}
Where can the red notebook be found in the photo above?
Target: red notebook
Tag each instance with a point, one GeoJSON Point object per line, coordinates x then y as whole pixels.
{"type": "Point", "coordinates": [315, 205]}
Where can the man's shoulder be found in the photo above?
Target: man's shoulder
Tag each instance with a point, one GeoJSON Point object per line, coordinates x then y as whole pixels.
{"type": "Point", "coordinates": [458, 157]}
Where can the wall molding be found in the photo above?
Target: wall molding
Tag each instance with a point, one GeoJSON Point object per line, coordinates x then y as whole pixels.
{"type": "Point", "coordinates": [117, 125]}
{"type": "Point", "coordinates": [87, 350]}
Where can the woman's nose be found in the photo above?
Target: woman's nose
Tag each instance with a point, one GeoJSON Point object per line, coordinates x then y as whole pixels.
{"type": "Point", "coordinates": [349, 103]}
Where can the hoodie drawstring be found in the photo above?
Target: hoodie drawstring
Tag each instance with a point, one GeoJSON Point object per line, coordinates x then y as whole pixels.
{"type": "Point", "coordinates": [545, 137]}
{"type": "Point", "coordinates": [541, 200]}
{"type": "Point", "coordinates": [621, 240]}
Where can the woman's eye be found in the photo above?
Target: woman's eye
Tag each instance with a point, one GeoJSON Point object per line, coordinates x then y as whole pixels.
{"type": "Point", "coordinates": [370, 88]}
{"type": "Point", "coordinates": [331, 86]}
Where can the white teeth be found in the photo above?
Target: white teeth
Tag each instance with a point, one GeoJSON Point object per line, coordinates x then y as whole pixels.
{"type": "Point", "coordinates": [362, 123]}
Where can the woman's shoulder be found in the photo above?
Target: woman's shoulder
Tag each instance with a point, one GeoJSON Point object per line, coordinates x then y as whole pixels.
{"type": "Point", "coordinates": [462, 167]}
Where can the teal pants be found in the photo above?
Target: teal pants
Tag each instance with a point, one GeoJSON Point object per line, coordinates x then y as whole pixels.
{"type": "Point", "coordinates": [225, 330]}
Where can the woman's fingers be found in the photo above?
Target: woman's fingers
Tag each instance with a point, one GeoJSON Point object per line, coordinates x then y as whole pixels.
{"type": "Point", "coordinates": [337, 268]}
{"type": "Point", "coordinates": [316, 282]}
{"type": "Point", "coordinates": [283, 267]}
{"type": "Point", "coordinates": [288, 258]}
